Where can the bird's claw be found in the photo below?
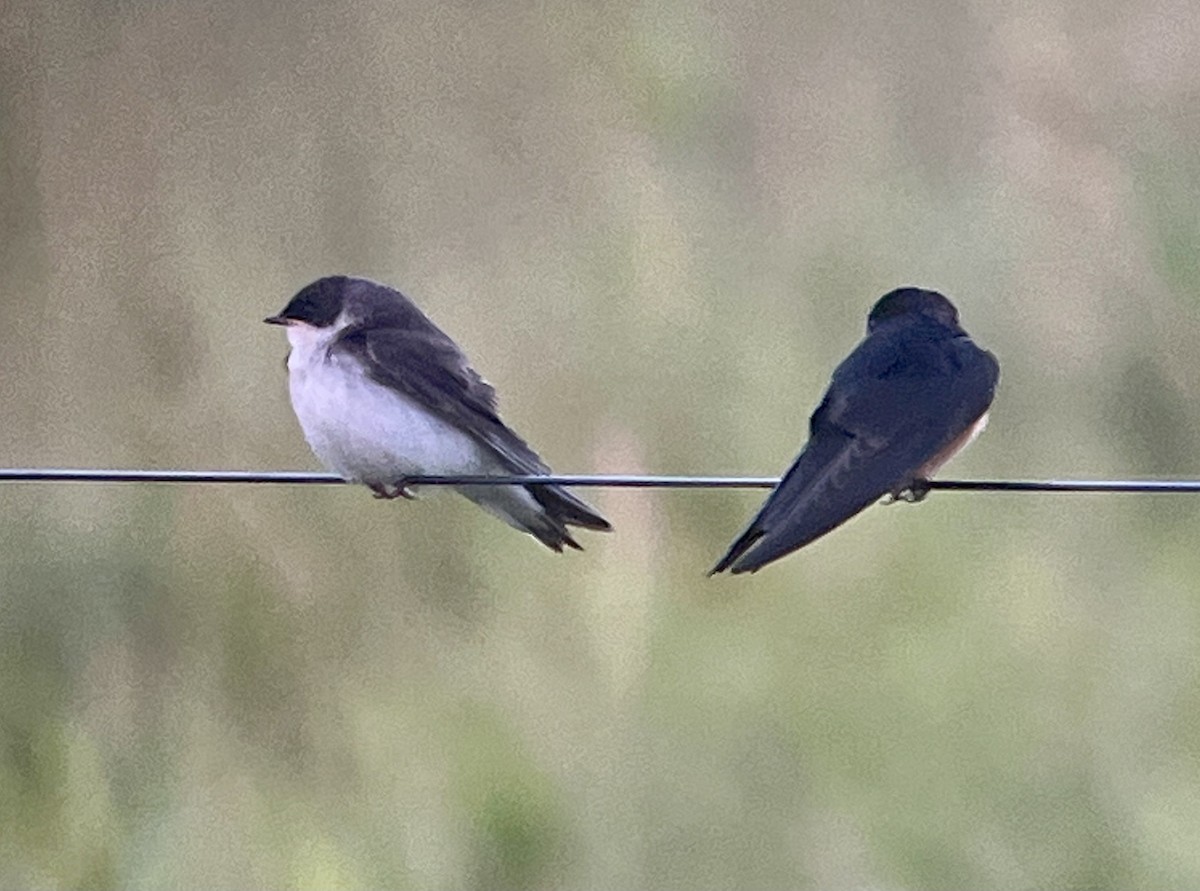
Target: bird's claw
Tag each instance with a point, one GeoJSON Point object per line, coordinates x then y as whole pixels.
{"type": "Point", "coordinates": [913, 493]}
{"type": "Point", "coordinates": [398, 490]}
{"type": "Point", "coordinates": [916, 492]}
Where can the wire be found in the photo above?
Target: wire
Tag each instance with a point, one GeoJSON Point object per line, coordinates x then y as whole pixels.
{"type": "Point", "coordinates": [614, 480]}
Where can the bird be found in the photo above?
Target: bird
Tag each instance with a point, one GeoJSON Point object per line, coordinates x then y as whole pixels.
{"type": "Point", "coordinates": [382, 394]}
{"type": "Point", "coordinates": [912, 394]}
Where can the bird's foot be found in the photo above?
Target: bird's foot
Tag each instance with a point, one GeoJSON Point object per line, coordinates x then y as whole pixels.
{"type": "Point", "coordinates": [913, 493]}
{"type": "Point", "coordinates": [399, 491]}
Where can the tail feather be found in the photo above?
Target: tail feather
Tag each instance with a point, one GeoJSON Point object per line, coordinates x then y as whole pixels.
{"type": "Point", "coordinates": [542, 511]}
{"type": "Point", "coordinates": [783, 513]}
{"type": "Point", "coordinates": [553, 535]}
{"type": "Point", "coordinates": [741, 545]}
{"type": "Point", "coordinates": [567, 508]}
{"type": "Point", "coordinates": [559, 509]}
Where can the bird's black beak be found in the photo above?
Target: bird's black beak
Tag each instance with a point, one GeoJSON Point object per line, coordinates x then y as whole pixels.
{"type": "Point", "coordinates": [276, 320]}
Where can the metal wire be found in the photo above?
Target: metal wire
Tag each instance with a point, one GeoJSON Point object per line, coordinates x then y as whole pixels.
{"type": "Point", "coordinates": [613, 480]}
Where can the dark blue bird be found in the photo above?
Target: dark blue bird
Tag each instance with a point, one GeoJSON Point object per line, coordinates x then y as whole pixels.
{"type": "Point", "coordinates": [910, 396]}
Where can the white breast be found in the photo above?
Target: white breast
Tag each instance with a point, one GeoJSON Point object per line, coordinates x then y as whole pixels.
{"type": "Point", "coordinates": [364, 431]}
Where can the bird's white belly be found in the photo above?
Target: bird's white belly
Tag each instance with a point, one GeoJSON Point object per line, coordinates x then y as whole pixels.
{"type": "Point", "coordinates": [368, 433]}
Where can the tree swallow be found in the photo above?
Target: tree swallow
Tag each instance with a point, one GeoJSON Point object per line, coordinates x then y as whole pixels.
{"type": "Point", "coordinates": [382, 393]}
{"type": "Point", "coordinates": [910, 396]}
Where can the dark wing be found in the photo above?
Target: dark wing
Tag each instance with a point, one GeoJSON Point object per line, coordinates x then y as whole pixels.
{"type": "Point", "coordinates": [428, 367]}
{"type": "Point", "coordinates": [891, 406]}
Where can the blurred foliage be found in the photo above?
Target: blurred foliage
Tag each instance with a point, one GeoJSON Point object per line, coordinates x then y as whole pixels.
{"type": "Point", "coordinates": [656, 228]}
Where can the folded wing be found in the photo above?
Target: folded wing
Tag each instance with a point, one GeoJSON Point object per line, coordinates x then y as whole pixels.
{"type": "Point", "coordinates": [881, 419]}
{"type": "Point", "coordinates": [428, 367]}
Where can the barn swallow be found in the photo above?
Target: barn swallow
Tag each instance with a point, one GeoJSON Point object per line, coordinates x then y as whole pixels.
{"type": "Point", "coordinates": [913, 393]}
{"type": "Point", "coordinates": [382, 393]}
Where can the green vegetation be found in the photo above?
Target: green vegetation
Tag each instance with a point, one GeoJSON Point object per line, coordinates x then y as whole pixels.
{"type": "Point", "coordinates": [656, 230]}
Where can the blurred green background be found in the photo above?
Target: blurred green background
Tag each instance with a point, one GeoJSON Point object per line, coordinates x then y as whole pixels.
{"type": "Point", "coordinates": [655, 228]}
